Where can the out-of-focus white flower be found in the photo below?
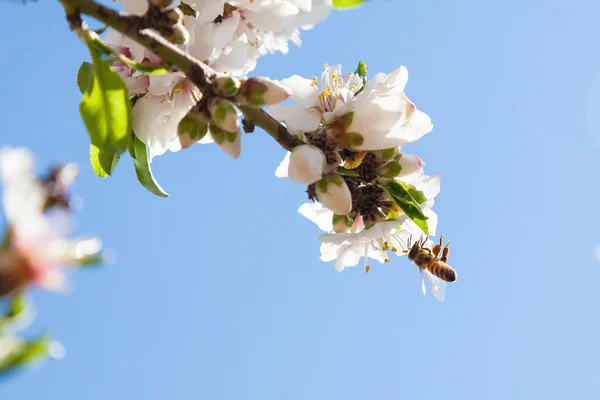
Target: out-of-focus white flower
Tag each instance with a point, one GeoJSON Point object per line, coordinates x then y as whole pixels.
{"type": "Point", "coordinates": [377, 118]}
{"type": "Point", "coordinates": [35, 249]}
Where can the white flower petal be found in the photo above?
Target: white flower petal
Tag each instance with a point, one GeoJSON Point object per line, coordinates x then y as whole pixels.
{"type": "Point", "coordinates": [303, 91]}
{"type": "Point", "coordinates": [282, 169]}
{"type": "Point", "coordinates": [318, 214]}
{"type": "Point", "coordinates": [296, 118]}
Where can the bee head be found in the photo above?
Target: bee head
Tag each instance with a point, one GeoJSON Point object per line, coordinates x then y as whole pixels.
{"type": "Point", "coordinates": [414, 250]}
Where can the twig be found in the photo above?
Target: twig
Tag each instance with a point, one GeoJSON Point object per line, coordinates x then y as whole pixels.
{"type": "Point", "coordinates": [199, 73]}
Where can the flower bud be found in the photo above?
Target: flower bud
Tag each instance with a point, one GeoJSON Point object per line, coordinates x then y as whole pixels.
{"type": "Point", "coordinates": [224, 114]}
{"type": "Point", "coordinates": [259, 92]}
{"type": "Point", "coordinates": [229, 142]}
{"type": "Point", "coordinates": [306, 164]}
{"type": "Point", "coordinates": [332, 191]}
{"type": "Point", "coordinates": [341, 223]}
{"type": "Point", "coordinates": [192, 128]}
{"type": "Point", "coordinates": [410, 163]}
{"type": "Point", "coordinates": [161, 3]}
{"type": "Point", "coordinates": [179, 35]}
{"type": "Point", "coordinates": [174, 15]}
{"type": "Point", "coordinates": [227, 86]}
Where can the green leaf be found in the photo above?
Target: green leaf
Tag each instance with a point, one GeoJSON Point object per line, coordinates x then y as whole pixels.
{"type": "Point", "coordinates": [147, 68]}
{"type": "Point", "coordinates": [18, 305]}
{"type": "Point", "coordinates": [23, 353]}
{"type": "Point", "coordinates": [415, 194]}
{"type": "Point", "coordinates": [103, 161]}
{"type": "Point", "coordinates": [142, 169]}
{"type": "Point", "coordinates": [408, 204]}
{"type": "Point", "coordinates": [347, 172]}
{"type": "Point", "coordinates": [346, 3]}
{"type": "Point", "coordinates": [105, 106]}
{"type": "Point", "coordinates": [83, 76]}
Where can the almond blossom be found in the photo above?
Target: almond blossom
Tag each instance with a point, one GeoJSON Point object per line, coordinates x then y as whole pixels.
{"type": "Point", "coordinates": [347, 248]}
{"type": "Point", "coordinates": [374, 117]}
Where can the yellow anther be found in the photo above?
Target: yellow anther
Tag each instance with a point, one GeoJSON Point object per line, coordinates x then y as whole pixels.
{"type": "Point", "coordinates": [395, 250]}
{"type": "Point", "coordinates": [367, 268]}
{"type": "Point", "coordinates": [387, 261]}
{"type": "Point", "coordinates": [325, 65]}
{"type": "Point", "coordinates": [353, 87]}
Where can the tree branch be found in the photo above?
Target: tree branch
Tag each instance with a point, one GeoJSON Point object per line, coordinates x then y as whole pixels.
{"type": "Point", "coordinates": [199, 73]}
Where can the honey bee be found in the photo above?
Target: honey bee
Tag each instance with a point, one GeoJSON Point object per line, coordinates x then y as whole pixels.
{"type": "Point", "coordinates": [437, 270]}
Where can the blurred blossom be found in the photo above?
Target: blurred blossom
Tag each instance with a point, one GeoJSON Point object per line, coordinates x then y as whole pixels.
{"type": "Point", "coordinates": [35, 249]}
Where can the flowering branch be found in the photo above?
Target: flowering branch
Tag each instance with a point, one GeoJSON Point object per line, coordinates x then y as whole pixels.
{"type": "Point", "coordinates": [136, 28]}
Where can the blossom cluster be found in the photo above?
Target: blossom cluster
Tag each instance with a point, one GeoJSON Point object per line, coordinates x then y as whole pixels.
{"type": "Point", "coordinates": [228, 36]}
{"type": "Point", "coordinates": [35, 248]}
{"type": "Point", "coordinates": [368, 195]}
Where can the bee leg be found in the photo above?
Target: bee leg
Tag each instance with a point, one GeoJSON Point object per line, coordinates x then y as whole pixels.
{"type": "Point", "coordinates": [437, 248]}
{"type": "Point", "coordinates": [445, 253]}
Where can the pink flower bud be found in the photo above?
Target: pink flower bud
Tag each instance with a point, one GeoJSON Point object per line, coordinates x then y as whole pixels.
{"type": "Point", "coordinates": [333, 192]}
{"type": "Point", "coordinates": [306, 164]}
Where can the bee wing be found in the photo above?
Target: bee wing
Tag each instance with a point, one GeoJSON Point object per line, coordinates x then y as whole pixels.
{"type": "Point", "coordinates": [438, 286]}
{"type": "Point", "coordinates": [423, 283]}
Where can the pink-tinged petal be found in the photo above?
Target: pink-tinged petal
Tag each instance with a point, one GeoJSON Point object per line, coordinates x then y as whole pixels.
{"type": "Point", "coordinates": [303, 91]}
{"type": "Point", "coordinates": [296, 118]}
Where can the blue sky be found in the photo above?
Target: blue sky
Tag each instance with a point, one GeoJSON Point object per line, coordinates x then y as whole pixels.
{"type": "Point", "coordinates": [217, 292]}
